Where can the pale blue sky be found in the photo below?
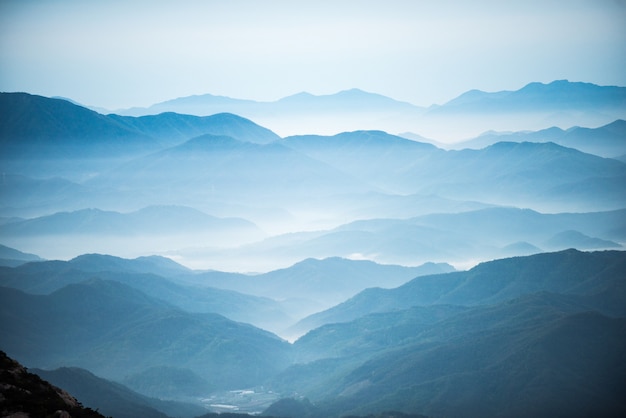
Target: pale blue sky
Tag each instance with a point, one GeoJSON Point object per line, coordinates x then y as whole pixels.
{"type": "Point", "coordinates": [122, 53]}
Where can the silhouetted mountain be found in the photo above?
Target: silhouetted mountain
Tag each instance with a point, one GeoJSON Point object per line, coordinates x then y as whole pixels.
{"type": "Point", "coordinates": [465, 237]}
{"type": "Point", "coordinates": [40, 136]}
{"type": "Point", "coordinates": [11, 257]}
{"type": "Point", "coordinates": [114, 399]}
{"type": "Point", "coordinates": [114, 330]}
{"type": "Point", "coordinates": [141, 274]}
{"type": "Point", "coordinates": [38, 127]}
{"type": "Point", "coordinates": [530, 355]}
{"type": "Point", "coordinates": [325, 282]}
{"type": "Point", "coordinates": [469, 174]}
{"type": "Point", "coordinates": [557, 95]}
{"type": "Point", "coordinates": [149, 230]}
{"type": "Point", "coordinates": [31, 197]}
{"type": "Point", "coordinates": [200, 105]}
{"type": "Point", "coordinates": [152, 220]}
{"type": "Point", "coordinates": [218, 168]}
{"type": "Point", "coordinates": [349, 101]}
{"type": "Point", "coordinates": [151, 264]}
{"type": "Point", "coordinates": [306, 287]}
{"type": "Point", "coordinates": [535, 106]}
{"type": "Point", "coordinates": [525, 171]}
{"type": "Point", "coordinates": [300, 113]}
{"type": "Point", "coordinates": [370, 333]}
{"type": "Point", "coordinates": [576, 239]}
{"type": "Point", "coordinates": [605, 141]}
{"type": "Point", "coordinates": [567, 364]}
{"type": "Point", "coordinates": [174, 128]}
{"type": "Point", "coordinates": [25, 394]}
{"type": "Point", "coordinates": [520, 248]}
{"type": "Point", "coordinates": [372, 156]}
{"type": "Point", "coordinates": [597, 276]}
{"type": "Point", "coordinates": [306, 182]}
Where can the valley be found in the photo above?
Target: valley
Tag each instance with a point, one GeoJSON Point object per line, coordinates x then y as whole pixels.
{"type": "Point", "coordinates": [186, 260]}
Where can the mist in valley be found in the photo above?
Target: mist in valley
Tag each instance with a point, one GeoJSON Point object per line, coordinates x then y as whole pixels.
{"type": "Point", "coordinates": [232, 261]}
{"type": "Point", "coordinates": [386, 213]}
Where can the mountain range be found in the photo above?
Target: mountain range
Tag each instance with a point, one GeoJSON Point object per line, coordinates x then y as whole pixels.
{"type": "Point", "coordinates": [534, 106]}
{"type": "Point", "coordinates": [512, 337]}
{"type": "Point", "coordinates": [36, 132]}
{"type": "Point", "coordinates": [274, 300]}
{"type": "Point", "coordinates": [341, 271]}
{"type": "Point", "coordinates": [595, 275]}
{"type": "Point", "coordinates": [536, 335]}
{"type": "Point", "coordinates": [12, 258]}
{"type": "Point", "coordinates": [116, 331]}
{"type": "Point", "coordinates": [211, 199]}
{"type": "Point", "coordinates": [605, 141]}
{"type": "Point", "coordinates": [461, 238]}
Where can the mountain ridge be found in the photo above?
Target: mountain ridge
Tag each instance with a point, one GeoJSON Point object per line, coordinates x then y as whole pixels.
{"type": "Point", "coordinates": [471, 287]}
{"type": "Point", "coordinates": [114, 330]}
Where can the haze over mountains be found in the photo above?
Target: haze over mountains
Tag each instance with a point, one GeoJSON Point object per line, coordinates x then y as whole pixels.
{"type": "Point", "coordinates": [534, 106]}
{"type": "Point", "coordinates": [504, 324]}
{"type": "Point", "coordinates": [188, 253]}
{"type": "Point", "coordinates": [238, 182]}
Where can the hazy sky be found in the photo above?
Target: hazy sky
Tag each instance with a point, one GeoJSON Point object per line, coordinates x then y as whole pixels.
{"type": "Point", "coordinates": [126, 53]}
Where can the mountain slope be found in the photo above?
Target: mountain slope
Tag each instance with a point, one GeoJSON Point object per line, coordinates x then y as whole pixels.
{"type": "Point", "coordinates": [37, 127]}
{"type": "Point", "coordinates": [151, 264]}
{"type": "Point", "coordinates": [39, 136]}
{"type": "Point", "coordinates": [326, 281]}
{"type": "Point", "coordinates": [566, 365]}
{"type": "Point", "coordinates": [153, 220]}
{"type": "Point", "coordinates": [199, 105]}
{"type": "Point", "coordinates": [25, 394]}
{"type": "Point", "coordinates": [114, 330]}
{"type": "Point", "coordinates": [141, 274]}
{"type": "Point", "coordinates": [353, 100]}
{"type": "Point", "coordinates": [175, 128]}
{"type": "Point", "coordinates": [151, 230]}
{"type": "Point", "coordinates": [210, 168]}
{"type": "Point", "coordinates": [459, 238]}
{"type": "Point", "coordinates": [534, 106]}
{"type": "Point", "coordinates": [605, 141]}
{"type": "Point", "coordinates": [372, 156]}
{"type": "Point", "coordinates": [300, 113]}
{"type": "Point", "coordinates": [114, 399]}
{"type": "Point", "coordinates": [557, 95]}
{"type": "Point", "coordinates": [11, 257]}
{"type": "Point", "coordinates": [533, 355]}
{"type": "Point", "coordinates": [506, 173]}
{"type": "Point", "coordinates": [596, 275]}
